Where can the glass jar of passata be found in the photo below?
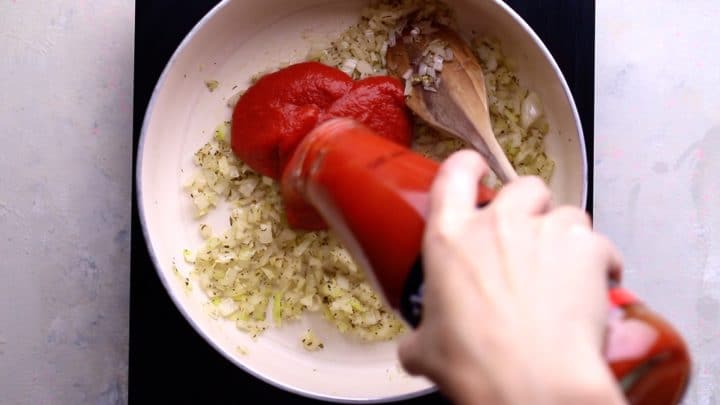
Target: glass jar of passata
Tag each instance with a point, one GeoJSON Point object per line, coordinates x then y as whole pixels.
{"type": "Point", "coordinates": [374, 194]}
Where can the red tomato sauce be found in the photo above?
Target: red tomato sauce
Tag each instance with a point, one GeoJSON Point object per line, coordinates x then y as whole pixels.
{"type": "Point", "coordinates": [278, 111]}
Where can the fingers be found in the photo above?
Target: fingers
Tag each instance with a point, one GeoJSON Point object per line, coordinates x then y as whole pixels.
{"type": "Point", "coordinates": [612, 256]}
{"type": "Point", "coordinates": [527, 196]}
{"type": "Point", "coordinates": [567, 216]}
{"type": "Point", "coordinates": [602, 249]}
{"type": "Point", "coordinates": [408, 351]}
{"type": "Point", "coordinates": [454, 191]}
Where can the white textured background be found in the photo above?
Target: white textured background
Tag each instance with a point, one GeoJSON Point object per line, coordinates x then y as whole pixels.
{"type": "Point", "coordinates": [65, 158]}
{"type": "Point", "coordinates": [65, 123]}
{"type": "Point", "coordinates": [657, 163]}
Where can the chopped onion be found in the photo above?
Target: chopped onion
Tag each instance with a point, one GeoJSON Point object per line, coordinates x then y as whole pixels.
{"type": "Point", "coordinates": [492, 64]}
{"type": "Point", "coordinates": [247, 186]}
{"type": "Point", "coordinates": [311, 342]}
{"type": "Point", "coordinates": [364, 68]}
{"type": "Point", "coordinates": [449, 55]}
{"type": "Point", "coordinates": [343, 282]}
{"type": "Point", "coordinates": [205, 231]}
{"type": "Point", "coordinates": [227, 306]}
{"type": "Point", "coordinates": [531, 110]}
{"type": "Point", "coordinates": [438, 63]}
{"type": "Point", "coordinates": [189, 256]}
{"type": "Point", "coordinates": [224, 258]}
{"type": "Point", "coordinates": [422, 69]}
{"type": "Point", "coordinates": [408, 87]}
{"type": "Point", "coordinates": [265, 235]}
{"type": "Point", "coordinates": [349, 65]}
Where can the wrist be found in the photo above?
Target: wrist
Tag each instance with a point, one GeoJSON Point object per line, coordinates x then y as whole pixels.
{"type": "Point", "coordinates": [588, 383]}
{"type": "Point", "coordinates": [583, 376]}
{"type": "Point", "coordinates": [574, 376]}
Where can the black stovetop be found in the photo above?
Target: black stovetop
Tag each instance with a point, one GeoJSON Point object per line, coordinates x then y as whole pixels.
{"type": "Point", "coordinates": [169, 361]}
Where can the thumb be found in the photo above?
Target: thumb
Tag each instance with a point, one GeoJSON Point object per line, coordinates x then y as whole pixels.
{"type": "Point", "coordinates": [410, 354]}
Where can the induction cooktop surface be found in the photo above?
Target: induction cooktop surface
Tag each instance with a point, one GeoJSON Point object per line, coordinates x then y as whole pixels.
{"type": "Point", "coordinates": [169, 361]}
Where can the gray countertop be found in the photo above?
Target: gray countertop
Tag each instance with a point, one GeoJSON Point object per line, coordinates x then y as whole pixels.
{"type": "Point", "coordinates": [657, 163]}
{"type": "Point", "coordinates": [66, 118]}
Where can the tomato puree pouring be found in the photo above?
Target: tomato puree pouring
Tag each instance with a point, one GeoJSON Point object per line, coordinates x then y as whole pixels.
{"type": "Point", "coordinates": [274, 115]}
{"type": "Point", "coordinates": [374, 194]}
{"type": "Point", "coordinates": [340, 149]}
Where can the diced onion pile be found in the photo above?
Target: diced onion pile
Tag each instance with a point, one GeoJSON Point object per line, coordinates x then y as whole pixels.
{"type": "Point", "coordinates": [259, 271]}
{"type": "Point", "coordinates": [427, 71]}
{"type": "Point", "coordinates": [361, 50]}
{"type": "Point", "coordinates": [517, 114]}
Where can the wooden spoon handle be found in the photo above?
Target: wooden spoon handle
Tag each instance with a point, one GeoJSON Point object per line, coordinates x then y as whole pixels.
{"type": "Point", "coordinates": [464, 82]}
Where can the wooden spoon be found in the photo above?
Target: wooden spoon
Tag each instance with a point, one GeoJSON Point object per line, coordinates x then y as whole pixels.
{"type": "Point", "coordinates": [459, 107]}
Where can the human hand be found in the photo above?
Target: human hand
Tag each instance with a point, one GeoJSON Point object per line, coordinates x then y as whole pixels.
{"type": "Point", "coordinates": [515, 299]}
